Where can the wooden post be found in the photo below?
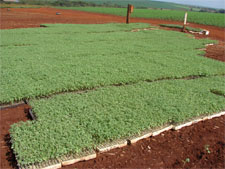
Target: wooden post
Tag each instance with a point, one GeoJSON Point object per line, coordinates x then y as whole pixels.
{"type": "Point", "coordinates": [128, 14]}
{"type": "Point", "coordinates": [185, 21]}
{"type": "Point", "coordinates": [130, 9]}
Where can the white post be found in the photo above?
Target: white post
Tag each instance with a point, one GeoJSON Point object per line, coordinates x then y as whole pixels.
{"type": "Point", "coordinates": [185, 18]}
{"type": "Point", "coordinates": [185, 21]}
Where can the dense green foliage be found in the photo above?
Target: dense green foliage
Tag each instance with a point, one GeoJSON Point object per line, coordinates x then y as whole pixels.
{"type": "Point", "coordinates": [6, 5]}
{"type": "Point", "coordinates": [42, 61]}
{"type": "Point", "coordinates": [205, 18]}
{"type": "Point", "coordinates": [70, 123]}
{"type": "Point", "coordinates": [181, 26]}
{"type": "Point", "coordinates": [140, 4]}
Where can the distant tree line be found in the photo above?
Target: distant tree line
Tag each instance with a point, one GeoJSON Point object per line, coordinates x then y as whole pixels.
{"type": "Point", "coordinates": [221, 11]}
{"type": "Point", "coordinates": [212, 10]}
{"type": "Point", "coordinates": [67, 3]}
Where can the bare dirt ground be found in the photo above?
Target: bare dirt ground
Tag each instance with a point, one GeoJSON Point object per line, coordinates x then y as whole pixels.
{"type": "Point", "coordinates": [199, 146]}
{"type": "Point", "coordinates": [8, 117]}
{"type": "Point", "coordinates": [216, 51]}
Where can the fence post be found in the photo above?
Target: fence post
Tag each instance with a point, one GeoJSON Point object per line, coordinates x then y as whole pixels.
{"type": "Point", "coordinates": [128, 14]}
{"type": "Point", "coordinates": [185, 21]}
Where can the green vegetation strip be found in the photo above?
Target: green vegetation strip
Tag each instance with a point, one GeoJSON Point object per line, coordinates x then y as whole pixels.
{"type": "Point", "coordinates": [59, 58]}
{"type": "Point", "coordinates": [205, 18]}
{"type": "Point", "coordinates": [140, 4]}
{"type": "Point", "coordinates": [111, 3]}
{"type": "Point", "coordinates": [181, 26]}
{"type": "Point", "coordinates": [9, 5]}
{"type": "Point", "coordinates": [72, 123]}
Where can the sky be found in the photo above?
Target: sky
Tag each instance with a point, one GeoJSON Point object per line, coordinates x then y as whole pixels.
{"type": "Point", "coordinates": [206, 3]}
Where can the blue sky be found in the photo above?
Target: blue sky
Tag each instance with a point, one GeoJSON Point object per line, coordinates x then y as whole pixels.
{"type": "Point", "coordinates": [205, 3]}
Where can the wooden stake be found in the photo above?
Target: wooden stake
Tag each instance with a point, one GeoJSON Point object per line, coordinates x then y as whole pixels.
{"type": "Point", "coordinates": [128, 14]}
{"type": "Point", "coordinates": [185, 21]}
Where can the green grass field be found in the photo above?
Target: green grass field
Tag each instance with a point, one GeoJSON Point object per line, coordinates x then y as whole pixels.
{"type": "Point", "coordinates": [2, 5]}
{"type": "Point", "coordinates": [71, 123]}
{"type": "Point", "coordinates": [140, 4]}
{"type": "Point", "coordinates": [42, 61]}
{"type": "Point", "coordinates": [205, 18]}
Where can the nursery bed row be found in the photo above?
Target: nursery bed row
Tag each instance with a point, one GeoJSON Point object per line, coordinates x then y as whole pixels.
{"type": "Point", "coordinates": [88, 155]}
{"type": "Point", "coordinates": [26, 101]}
{"type": "Point", "coordinates": [184, 141]}
{"type": "Point", "coordinates": [171, 149]}
{"type": "Point", "coordinates": [72, 123]}
{"type": "Point", "coordinates": [59, 58]}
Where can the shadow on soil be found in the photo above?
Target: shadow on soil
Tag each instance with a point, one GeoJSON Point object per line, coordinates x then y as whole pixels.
{"type": "Point", "coordinates": [10, 155]}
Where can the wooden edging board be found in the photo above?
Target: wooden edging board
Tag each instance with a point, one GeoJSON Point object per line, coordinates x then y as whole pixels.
{"type": "Point", "coordinates": [6, 106]}
{"type": "Point", "coordinates": [72, 159]}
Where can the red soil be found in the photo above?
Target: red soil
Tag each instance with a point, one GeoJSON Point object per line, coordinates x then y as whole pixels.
{"type": "Point", "coordinates": [8, 117]}
{"type": "Point", "coordinates": [33, 17]}
{"type": "Point", "coordinates": [216, 51]}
